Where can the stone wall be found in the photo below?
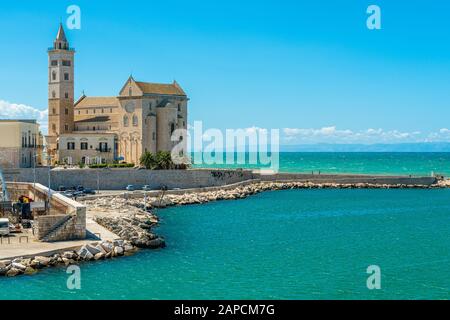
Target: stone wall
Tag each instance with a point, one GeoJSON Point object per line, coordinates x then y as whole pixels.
{"type": "Point", "coordinates": [66, 220]}
{"type": "Point", "coordinates": [118, 179]}
{"type": "Point", "coordinates": [348, 179]}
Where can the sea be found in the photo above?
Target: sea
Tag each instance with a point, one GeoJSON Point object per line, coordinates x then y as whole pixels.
{"type": "Point", "coordinates": [290, 244]}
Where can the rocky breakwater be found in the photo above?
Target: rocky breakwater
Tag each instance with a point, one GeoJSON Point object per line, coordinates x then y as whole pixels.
{"type": "Point", "coordinates": [251, 189]}
{"type": "Point", "coordinates": [89, 252]}
{"type": "Point", "coordinates": [136, 229]}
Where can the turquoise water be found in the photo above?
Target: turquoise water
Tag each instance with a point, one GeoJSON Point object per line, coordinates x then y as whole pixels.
{"type": "Point", "coordinates": [293, 244]}
{"type": "Point", "coordinates": [357, 162]}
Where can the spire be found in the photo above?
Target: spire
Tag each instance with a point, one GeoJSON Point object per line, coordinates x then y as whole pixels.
{"type": "Point", "coordinates": [61, 42]}
{"type": "Point", "coordinates": [61, 36]}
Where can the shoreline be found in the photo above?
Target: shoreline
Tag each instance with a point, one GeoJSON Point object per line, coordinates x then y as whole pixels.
{"type": "Point", "coordinates": [132, 220]}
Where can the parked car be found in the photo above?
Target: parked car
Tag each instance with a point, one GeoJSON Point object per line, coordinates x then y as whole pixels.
{"type": "Point", "coordinates": [146, 188]}
{"type": "Point", "coordinates": [4, 227]}
{"type": "Point", "coordinates": [130, 187]}
{"type": "Point", "coordinates": [68, 194]}
{"type": "Point", "coordinates": [62, 188]}
{"type": "Point", "coordinates": [80, 188]}
{"type": "Point", "coordinates": [89, 191]}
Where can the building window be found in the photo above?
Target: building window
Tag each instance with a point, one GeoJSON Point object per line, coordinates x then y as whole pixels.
{"type": "Point", "coordinates": [54, 63]}
{"type": "Point", "coordinates": [53, 94]}
{"type": "Point", "coordinates": [110, 110]}
{"type": "Point", "coordinates": [79, 112]}
{"type": "Point", "coordinates": [103, 147]}
{"type": "Point", "coordinates": [87, 111]}
{"type": "Point", "coordinates": [84, 146]}
{"type": "Point", "coordinates": [103, 111]}
{"type": "Point", "coordinates": [94, 111]}
{"type": "Point", "coordinates": [66, 76]}
{"type": "Point", "coordinates": [172, 128]}
{"type": "Point", "coordinates": [154, 136]}
{"type": "Point", "coordinates": [53, 127]}
{"type": "Point", "coordinates": [70, 145]}
{"type": "Point", "coordinates": [54, 75]}
{"type": "Point", "coordinates": [179, 107]}
{"type": "Point", "coordinates": [66, 127]}
{"type": "Point", "coordinates": [125, 121]}
{"type": "Point", "coordinates": [54, 111]}
{"type": "Point", "coordinates": [66, 111]}
{"type": "Point", "coordinates": [66, 95]}
{"type": "Point", "coordinates": [66, 63]}
{"type": "Point", "coordinates": [135, 120]}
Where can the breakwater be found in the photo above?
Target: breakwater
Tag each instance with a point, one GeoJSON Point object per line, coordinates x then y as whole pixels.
{"type": "Point", "coordinates": [118, 179]}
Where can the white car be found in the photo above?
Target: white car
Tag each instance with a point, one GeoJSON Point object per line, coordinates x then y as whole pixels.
{"type": "Point", "coordinates": [4, 227]}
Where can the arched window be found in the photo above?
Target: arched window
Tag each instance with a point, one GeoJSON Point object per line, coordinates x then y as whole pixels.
{"type": "Point", "coordinates": [125, 121]}
{"type": "Point", "coordinates": [53, 94]}
{"type": "Point", "coordinates": [54, 75]}
{"type": "Point", "coordinates": [172, 128]}
{"type": "Point", "coordinates": [135, 120]}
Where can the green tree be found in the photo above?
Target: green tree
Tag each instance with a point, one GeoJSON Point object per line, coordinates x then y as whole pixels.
{"type": "Point", "coordinates": [164, 160]}
{"type": "Point", "coordinates": [148, 160]}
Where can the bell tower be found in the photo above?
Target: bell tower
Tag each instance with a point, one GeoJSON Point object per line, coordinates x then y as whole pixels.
{"type": "Point", "coordinates": [60, 90]}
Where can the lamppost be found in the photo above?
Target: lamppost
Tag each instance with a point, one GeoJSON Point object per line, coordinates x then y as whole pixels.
{"type": "Point", "coordinates": [49, 163]}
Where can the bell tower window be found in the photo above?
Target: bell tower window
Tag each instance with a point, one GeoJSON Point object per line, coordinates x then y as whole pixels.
{"type": "Point", "coordinates": [66, 76]}
{"type": "Point", "coordinates": [54, 75]}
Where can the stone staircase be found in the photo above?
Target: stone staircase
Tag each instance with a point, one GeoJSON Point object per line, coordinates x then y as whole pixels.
{"type": "Point", "coordinates": [49, 237]}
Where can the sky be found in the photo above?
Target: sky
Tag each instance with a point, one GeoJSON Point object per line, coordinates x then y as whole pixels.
{"type": "Point", "coordinates": [309, 68]}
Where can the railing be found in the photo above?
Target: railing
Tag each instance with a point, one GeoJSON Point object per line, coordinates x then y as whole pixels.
{"type": "Point", "coordinates": [108, 150]}
{"type": "Point", "coordinates": [67, 49]}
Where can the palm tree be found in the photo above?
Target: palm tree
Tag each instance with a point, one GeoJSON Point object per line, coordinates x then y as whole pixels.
{"type": "Point", "coordinates": [164, 160]}
{"type": "Point", "coordinates": [148, 160]}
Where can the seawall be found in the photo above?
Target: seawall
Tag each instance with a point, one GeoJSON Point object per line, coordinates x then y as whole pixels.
{"type": "Point", "coordinates": [118, 179]}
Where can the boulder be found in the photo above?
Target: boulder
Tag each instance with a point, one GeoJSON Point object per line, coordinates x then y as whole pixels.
{"type": "Point", "coordinates": [107, 246]}
{"type": "Point", "coordinates": [118, 243]}
{"type": "Point", "coordinates": [69, 255]}
{"type": "Point", "coordinates": [99, 256]}
{"type": "Point", "coordinates": [29, 271]}
{"type": "Point", "coordinates": [13, 272]}
{"type": "Point", "coordinates": [118, 251]}
{"type": "Point", "coordinates": [93, 250]}
{"type": "Point", "coordinates": [19, 266]}
{"type": "Point", "coordinates": [5, 263]}
{"type": "Point", "coordinates": [85, 254]}
{"type": "Point", "coordinates": [43, 261]}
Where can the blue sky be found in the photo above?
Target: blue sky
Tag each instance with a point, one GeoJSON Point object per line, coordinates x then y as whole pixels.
{"type": "Point", "coordinates": [310, 68]}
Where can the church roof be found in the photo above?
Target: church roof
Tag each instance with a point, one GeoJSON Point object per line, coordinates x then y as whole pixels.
{"type": "Point", "coordinates": [61, 36]}
{"type": "Point", "coordinates": [161, 88]}
{"type": "Point", "coordinates": [84, 102]}
{"type": "Point", "coordinates": [95, 119]}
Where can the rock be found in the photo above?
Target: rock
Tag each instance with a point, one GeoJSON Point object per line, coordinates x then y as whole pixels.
{"type": "Point", "coordinates": [85, 254]}
{"type": "Point", "coordinates": [118, 251]}
{"type": "Point", "coordinates": [13, 272]}
{"type": "Point", "coordinates": [69, 255]}
{"type": "Point", "coordinates": [5, 263]}
{"type": "Point", "coordinates": [18, 266]}
{"type": "Point", "coordinates": [107, 246]}
{"type": "Point", "coordinates": [29, 271]}
{"type": "Point", "coordinates": [128, 247]}
{"type": "Point", "coordinates": [99, 256]}
{"type": "Point", "coordinates": [118, 243]}
{"type": "Point", "coordinates": [3, 271]}
{"type": "Point", "coordinates": [156, 243]}
{"type": "Point", "coordinates": [93, 250]}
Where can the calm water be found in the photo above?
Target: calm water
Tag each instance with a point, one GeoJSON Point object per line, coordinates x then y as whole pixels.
{"type": "Point", "coordinates": [295, 244]}
{"type": "Point", "coordinates": [358, 162]}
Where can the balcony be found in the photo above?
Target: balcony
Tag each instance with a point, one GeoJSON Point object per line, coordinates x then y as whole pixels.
{"type": "Point", "coordinates": [103, 150]}
{"type": "Point", "coordinates": [54, 49]}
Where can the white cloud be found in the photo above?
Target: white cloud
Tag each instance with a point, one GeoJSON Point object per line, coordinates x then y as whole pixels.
{"type": "Point", "coordinates": [10, 110]}
{"type": "Point", "coordinates": [332, 134]}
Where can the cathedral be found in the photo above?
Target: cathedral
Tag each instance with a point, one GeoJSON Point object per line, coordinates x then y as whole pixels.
{"type": "Point", "coordinates": [143, 117]}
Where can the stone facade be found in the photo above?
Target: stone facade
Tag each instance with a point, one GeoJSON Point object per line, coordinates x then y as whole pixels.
{"type": "Point", "coordinates": [20, 144]}
{"type": "Point", "coordinates": [143, 117]}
